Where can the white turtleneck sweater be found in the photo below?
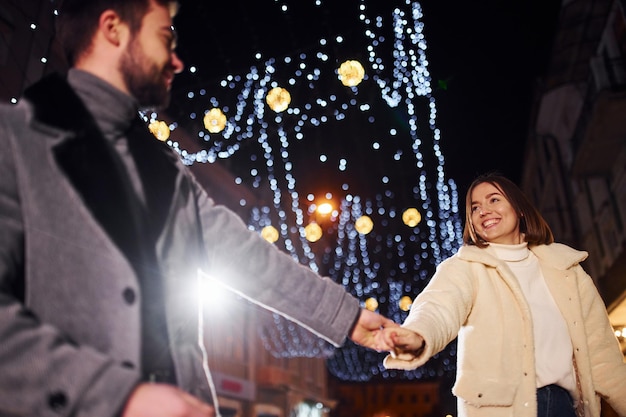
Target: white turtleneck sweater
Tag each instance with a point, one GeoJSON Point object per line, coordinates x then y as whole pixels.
{"type": "Point", "coordinates": [553, 346]}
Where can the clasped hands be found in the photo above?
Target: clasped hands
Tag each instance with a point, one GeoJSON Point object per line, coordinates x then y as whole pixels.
{"type": "Point", "coordinates": [384, 335]}
{"type": "Point", "coordinates": [371, 330]}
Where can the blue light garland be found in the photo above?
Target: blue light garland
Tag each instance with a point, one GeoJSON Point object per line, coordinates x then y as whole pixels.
{"type": "Point", "coordinates": [268, 151]}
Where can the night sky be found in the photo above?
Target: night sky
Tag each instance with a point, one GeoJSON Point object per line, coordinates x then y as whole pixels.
{"type": "Point", "coordinates": [491, 53]}
{"type": "Point", "coordinates": [485, 58]}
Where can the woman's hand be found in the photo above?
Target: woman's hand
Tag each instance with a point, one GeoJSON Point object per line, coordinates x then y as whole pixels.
{"type": "Point", "coordinates": [368, 331]}
{"type": "Point", "coordinates": [404, 340]}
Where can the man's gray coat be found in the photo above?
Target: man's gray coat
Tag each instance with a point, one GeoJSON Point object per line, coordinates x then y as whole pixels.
{"type": "Point", "coordinates": [72, 249]}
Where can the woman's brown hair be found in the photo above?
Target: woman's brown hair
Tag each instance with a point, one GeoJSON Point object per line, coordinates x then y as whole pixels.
{"type": "Point", "coordinates": [532, 224]}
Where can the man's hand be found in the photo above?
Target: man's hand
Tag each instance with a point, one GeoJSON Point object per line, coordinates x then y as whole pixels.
{"type": "Point", "coordinates": [368, 331]}
{"type": "Point", "coordinates": [403, 341]}
{"type": "Point", "coordinates": [162, 400]}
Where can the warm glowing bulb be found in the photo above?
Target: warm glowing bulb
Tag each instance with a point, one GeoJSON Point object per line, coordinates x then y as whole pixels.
{"type": "Point", "coordinates": [160, 130]}
{"type": "Point", "coordinates": [313, 232]}
{"type": "Point", "coordinates": [278, 99]}
{"type": "Point", "coordinates": [351, 73]}
{"type": "Point", "coordinates": [215, 120]}
{"type": "Point", "coordinates": [270, 234]}
{"type": "Point", "coordinates": [405, 303]}
{"type": "Point", "coordinates": [325, 208]}
{"type": "Point", "coordinates": [411, 217]}
{"type": "Point", "coordinates": [364, 225]}
{"type": "Point", "coordinates": [371, 304]}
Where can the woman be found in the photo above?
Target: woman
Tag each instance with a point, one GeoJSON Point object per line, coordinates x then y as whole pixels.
{"type": "Point", "coordinates": [534, 338]}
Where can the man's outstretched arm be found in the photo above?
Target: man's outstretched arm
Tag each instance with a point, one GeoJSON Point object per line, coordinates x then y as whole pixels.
{"type": "Point", "coordinates": [368, 331]}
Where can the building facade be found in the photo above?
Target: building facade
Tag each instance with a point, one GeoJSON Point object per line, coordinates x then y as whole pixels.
{"type": "Point", "coordinates": [389, 399]}
{"type": "Point", "coordinates": [575, 162]}
{"type": "Point", "coordinates": [250, 381]}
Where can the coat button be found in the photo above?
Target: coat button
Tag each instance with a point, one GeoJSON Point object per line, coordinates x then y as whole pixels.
{"type": "Point", "coordinates": [129, 295]}
{"type": "Point", "coordinates": [57, 401]}
{"type": "Point", "coordinates": [480, 396]}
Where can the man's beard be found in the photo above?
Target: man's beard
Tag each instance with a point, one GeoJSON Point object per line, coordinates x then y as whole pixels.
{"type": "Point", "coordinates": [144, 80]}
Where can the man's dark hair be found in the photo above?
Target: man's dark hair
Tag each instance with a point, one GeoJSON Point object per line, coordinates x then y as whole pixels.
{"type": "Point", "coordinates": [78, 20]}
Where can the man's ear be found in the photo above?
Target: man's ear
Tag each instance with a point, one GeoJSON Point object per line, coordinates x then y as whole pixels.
{"type": "Point", "coordinates": [112, 28]}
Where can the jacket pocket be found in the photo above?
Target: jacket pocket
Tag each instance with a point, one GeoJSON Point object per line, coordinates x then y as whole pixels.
{"type": "Point", "coordinates": [484, 392]}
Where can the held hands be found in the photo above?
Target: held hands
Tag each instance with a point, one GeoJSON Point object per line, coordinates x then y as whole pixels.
{"type": "Point", "coordinates": [368, 331]}
{"type": "Point", "coordinates": [404, 341]}
{"type": "Point", "coordinates": [162, 400]}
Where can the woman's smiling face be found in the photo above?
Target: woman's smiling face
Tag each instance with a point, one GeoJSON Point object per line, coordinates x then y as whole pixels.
{"type": "Point", "coordinates": [494, 219]}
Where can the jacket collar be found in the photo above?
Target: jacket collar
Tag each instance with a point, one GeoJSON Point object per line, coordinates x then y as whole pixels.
{"type": "Point", "coordinates": [556, 255]}
{"type": "Point", "coordinates": [475, 254]}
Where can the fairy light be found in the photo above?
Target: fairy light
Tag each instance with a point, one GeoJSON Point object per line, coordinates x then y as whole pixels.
{"type": "Point", "coordinates": [392, 263]}
{"type": "Point", "coordinates": [214, 120]}
{"type": "Point", "coordinates": [159, 129]}
{"type": "Point", "coordinates": [351, 73]}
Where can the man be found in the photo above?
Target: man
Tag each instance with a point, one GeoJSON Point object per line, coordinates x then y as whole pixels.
{"type": "Point", "coordinates": [104, 230]}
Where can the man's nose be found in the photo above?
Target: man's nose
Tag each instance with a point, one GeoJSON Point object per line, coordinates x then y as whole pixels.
{"type": "Point", "coordinates": [177, 63]}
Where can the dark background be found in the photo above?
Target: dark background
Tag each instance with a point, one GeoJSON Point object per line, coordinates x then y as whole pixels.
{"type": "Point", "coordinates": [485, 58]}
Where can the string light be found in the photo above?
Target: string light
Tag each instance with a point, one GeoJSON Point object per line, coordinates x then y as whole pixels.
{"type": "Point", "coordinates": [160, 130]}
{"type": "Point", "coordinates": [278, 99]}
{"type": "Point", "coordinates": [387, 264]}
{"type": "Point", "coordinates": [351, 73]}
{"type": "Point", "coordinates": [270, 234]}
{"type": "Point", "coordinates": [215, 120]}
{"type": "Point", "coordinates": [405, 303]}
{"type": "Point", "coordinates": [364, 225]}
{"type": "Point", "coordinates": [371, 304]}
{"type": "Point", "coordinates": [390, 264]}
{"type": "Point", "coordinates": [313, 232]}
{"type": "Point", "coordinates": [411, 217]}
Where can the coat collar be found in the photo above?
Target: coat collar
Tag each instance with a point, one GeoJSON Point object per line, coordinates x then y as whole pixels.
{"type": "Point", "coordinates": [55, 104]}
{"type": "Point", "coordinates": [96, 171]}
{"type": "Point", "coordinates": [87, 161]}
